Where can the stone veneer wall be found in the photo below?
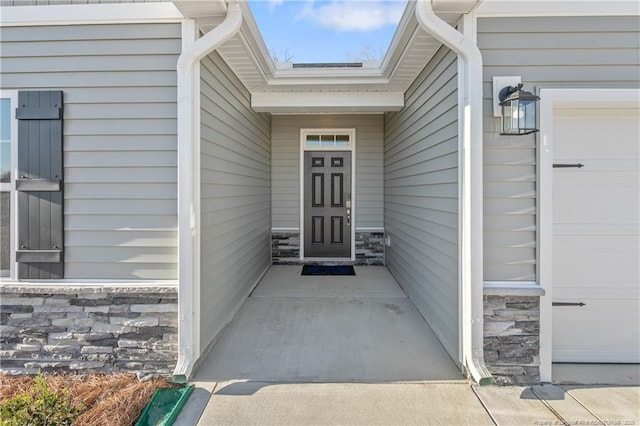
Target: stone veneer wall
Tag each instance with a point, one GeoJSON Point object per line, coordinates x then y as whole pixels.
{"type": "Point", "coordinates": [512, 338]}
{"type": "Point", "coordinates": [370, 248]}
{"type": "Point", "coordinates": [285, 248]}
{"type": "Point", "coordinates": [99, 328]}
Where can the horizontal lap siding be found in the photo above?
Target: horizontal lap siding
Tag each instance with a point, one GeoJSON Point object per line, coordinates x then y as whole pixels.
{"type": "Point", "coordinates": [286, 165]}
{"type": "Point", "coordinates": [561, 52]}
{"type": "Point", "coordinates": [421, 196]}
{"type": "Point", "coordinates": [235, 195]}
{"type": "Point", "coordinates": [120, 159]}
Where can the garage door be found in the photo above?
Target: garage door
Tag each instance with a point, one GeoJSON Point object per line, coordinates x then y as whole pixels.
{"type": "Point", "coordinates": [596, 238]}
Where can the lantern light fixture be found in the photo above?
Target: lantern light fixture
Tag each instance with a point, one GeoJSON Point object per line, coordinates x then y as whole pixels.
{"type": "Point", "coordinates": [518, 109]}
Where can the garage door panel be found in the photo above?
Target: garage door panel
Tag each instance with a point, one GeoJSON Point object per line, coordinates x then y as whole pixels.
{"type": "Point", "coordinates": [575, 270]}
{"type": "Point", "coordinates": [607, 331]}
{"type": "Point", "coordinates": [580, 204]}
{"type": "Point", "coordinates": [602, 126]}
{"type": "Point", "coordinates": [596, 235]}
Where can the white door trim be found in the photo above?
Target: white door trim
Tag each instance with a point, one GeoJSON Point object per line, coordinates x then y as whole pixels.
{"type": "Point", "coordinates": [352, 148]}
{"type": "Point", "coordinates": [10, 187]}
{"type": "Point", "coordinates": [548, 99]}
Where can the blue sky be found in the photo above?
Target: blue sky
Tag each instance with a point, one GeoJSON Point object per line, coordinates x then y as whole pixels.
{"type": "Point", "coordinates": [327, 30]}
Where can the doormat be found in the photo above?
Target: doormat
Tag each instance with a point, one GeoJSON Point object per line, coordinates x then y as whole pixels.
{"type": "Point", "coordinates": [328, 270]}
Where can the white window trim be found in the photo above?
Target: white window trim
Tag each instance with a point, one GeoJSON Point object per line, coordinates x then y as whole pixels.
{"type": "Point", "coordinates": [11, 186]}
{"type": "Point", "coordinates": [351, 148]}
{"type": "Point", "coordinates": [83, 14]}
{"type": "Point", "coordinates": [548, 99]}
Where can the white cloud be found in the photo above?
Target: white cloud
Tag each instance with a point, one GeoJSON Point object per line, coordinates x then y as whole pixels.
{"type": "Point", "coordinates": [351, 15]}
{"type": "Point", "coordinates": [273, 4]}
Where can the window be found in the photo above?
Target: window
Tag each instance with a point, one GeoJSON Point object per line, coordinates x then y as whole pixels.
{"type": "Point", "coordinates": [8, 133]}
{"type": "Point", "coordinates": [327, 139]}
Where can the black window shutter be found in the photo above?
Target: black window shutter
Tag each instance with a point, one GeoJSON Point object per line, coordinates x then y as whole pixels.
{"type": "Point", "coordinates": [39, 185]}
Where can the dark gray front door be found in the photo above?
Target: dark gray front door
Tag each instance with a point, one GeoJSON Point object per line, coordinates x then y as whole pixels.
{"type": "Point", "coordinates": [327, 204]}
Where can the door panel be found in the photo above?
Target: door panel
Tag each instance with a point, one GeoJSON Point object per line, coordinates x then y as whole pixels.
{"type": "Point", "coordinates": [596, 236]}
{"type": "Point", "coordinates": [327, 204]}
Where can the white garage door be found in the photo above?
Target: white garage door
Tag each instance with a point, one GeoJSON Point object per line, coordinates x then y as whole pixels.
{"type": "Point", "coordinates": [596, 234]}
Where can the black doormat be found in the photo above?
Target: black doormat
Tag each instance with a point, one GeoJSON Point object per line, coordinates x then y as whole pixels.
{"type": "Point", "coordinates": [328, 270]}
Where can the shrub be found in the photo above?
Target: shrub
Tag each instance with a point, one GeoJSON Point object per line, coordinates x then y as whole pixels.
{"type": "Point", "coordinates": [39, 406]}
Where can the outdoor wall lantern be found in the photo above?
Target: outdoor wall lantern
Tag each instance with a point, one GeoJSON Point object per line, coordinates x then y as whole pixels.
{"type": "Point", "coordinates": [518, 109]}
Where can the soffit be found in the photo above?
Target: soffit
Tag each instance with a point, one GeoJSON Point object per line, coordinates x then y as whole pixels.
{"type": "Point", "coordinates": [247, 55]}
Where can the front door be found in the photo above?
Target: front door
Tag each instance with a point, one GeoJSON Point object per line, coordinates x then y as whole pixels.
{"type": "Point", "coordinates": [327, 204]}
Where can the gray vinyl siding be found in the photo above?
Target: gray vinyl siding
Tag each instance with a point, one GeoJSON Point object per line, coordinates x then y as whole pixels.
{"type": "Point", "coordinates": [235, 195]}
{"type": "Point", "coordinates": [119, 85]}
{"type": "Point", "coordinates": [551, 52]}
{"type": "Point", "coordinates": [421, 196]}
{"type": "Point", "coordinates": [286, 166]}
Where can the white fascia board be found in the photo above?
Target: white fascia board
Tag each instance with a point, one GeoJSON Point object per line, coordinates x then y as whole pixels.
{"type": "Point", "coordinates": [76, 14]}
{"type": "Point", "coordinates": [515, 8]}
{"type": "Point", "coordinates": [327, 102]}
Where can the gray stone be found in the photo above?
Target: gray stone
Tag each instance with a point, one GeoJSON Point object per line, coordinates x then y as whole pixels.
{"type": "Point", "coordinates": [29, 347]}
{"type": "Point", "coordinates": [530, 327]}
{"type": "Point", "coordinates": [92, 337]}
{"type": "Point", "coordinates": [91, 302]}
{"type": "Point", "coordinates": [33, 301]}
{"type": "Point", "coordinates": [169, 307]}
{"type": "Point", "coordinates": [96, 350]}
{"type": "Point", "coordinates": [56, 301]}
{"type": "Point", "coordinates": [65, 335]}
{"type": "Point", "coordinates": [517, 314]}
{"type": "Point", "coordinates": [47, 364]}
{"type": "Point", "coordinates": [30, 322]}
{"type": "Point", "coordinates": [135, 322]}
{"type": "Point", "coordinates": [54, 308]}
{"type": "Point", "coordinates": [128, 300]}
{"type": "Point", "coordinates": [16, 309]}
{"type": "Point", "coordinates": [100, 309]}
{"type": "Point", "coordinates": [499, 328]}
{"type": "Point", "coordinates": [84, 322]}
{"type": "Point", "coordinates": [106, 358]}
{"type": "Point", "coordinates": [109, 328]}
{"type": "Point", "coordinates": [86, 365]}
{"type": "Point", "coordinates": [168, 321]}
{"type": "Point", "coordinates": [61, 348]}
{"type": "Point", "coordinates": [62, 322]}
{"type": "Point", "coordinates": [20, 316]}
{"type": "Point", "coordinates": [127, 343]}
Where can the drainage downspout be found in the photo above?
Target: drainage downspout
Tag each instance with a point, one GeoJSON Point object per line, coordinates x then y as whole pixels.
{"type": "Point", "coordinates": [472, 197]}
{"type": "Point", "coordinates": [188, 73]}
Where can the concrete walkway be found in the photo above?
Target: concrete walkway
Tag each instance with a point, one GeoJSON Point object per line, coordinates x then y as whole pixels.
{"type": "Point", "coordinates": [319, 329]}
{"type": "Point", "coordinates": [355, 351]}
{"type": "Point", "coordinates": [263, 403]}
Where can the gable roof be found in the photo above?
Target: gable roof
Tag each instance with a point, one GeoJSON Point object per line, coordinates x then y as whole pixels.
{"type": "Point", "coordinates": [370, 88]}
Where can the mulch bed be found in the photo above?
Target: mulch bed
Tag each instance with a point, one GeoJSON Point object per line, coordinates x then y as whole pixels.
{"type": "Point", "coordinates": [108, 399]}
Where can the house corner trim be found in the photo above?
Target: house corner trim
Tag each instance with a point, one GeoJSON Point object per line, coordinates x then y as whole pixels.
{"type": "Point", "coordinates": [188, 73]}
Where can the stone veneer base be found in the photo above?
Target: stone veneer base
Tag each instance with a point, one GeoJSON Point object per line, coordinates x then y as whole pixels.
{"type": "Point", "coordinates": [94, 327]}
{"type": "Point", "coordinates": [285, 248]}
{"type": "Point", "coordinates": [512, 339]}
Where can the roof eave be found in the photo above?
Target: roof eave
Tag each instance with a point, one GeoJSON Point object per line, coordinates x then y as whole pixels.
{"type": "Point", "coordinates": [249, 58]}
